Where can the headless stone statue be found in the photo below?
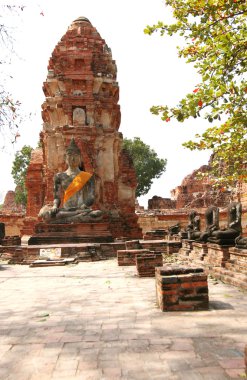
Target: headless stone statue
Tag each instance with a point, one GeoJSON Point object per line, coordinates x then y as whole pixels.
{"type": "Point", "coordinates": [227, 236]}
{"type": "Point", "coordinates": [175, 229]}
{"type": "Point", "coordinates": [193, 228]}
{"type": "Point", "coordinates": [212, 223]}
{"type": "Point", "coordinates": [79, 193]}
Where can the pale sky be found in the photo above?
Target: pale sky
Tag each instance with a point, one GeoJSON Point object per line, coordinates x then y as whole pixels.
{"type": "Point", "coordinates": [149, 73]}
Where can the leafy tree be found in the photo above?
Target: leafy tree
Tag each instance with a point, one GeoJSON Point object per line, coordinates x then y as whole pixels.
{"type": "Point", "coordinates": [19, 171]}
{"type": "Point", "coordinates": [146, 162]}
{"type": "Point", "coordinates": [215, 34]}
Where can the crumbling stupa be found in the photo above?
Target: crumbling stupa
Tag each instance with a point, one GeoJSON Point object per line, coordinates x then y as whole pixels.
{"type": "Point", "coordinates": [82, 103]}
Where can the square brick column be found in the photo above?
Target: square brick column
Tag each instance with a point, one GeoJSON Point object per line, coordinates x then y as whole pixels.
{"type": "Point", "coordinates": [180, 288]}
{"type": "Point", "coordinates": [146, 264]}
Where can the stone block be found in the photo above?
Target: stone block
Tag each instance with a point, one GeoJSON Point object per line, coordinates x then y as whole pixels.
{"type": "Point", "coordinates": [180, 288]}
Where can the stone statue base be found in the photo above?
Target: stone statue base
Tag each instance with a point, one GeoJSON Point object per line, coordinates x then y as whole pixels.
{"type": "Point", "coordinates": [199, 251]}
{"type": "Point", "coordinates": [217, 255]}
{"type": "Point", "coordinates": [47, 233]}
{"type": "Point", "coordinates": [222, 242]}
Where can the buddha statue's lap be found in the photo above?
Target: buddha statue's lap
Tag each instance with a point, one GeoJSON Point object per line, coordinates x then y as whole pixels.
{"type": "Point", "coordinates": [79, 193]}
{"type": "Point", "coordinates": [212, 223]}
{"type": "Point", "coordinates": [193, 228]}
{"type": "Point", "coordinates": [241, 242]}
{"type": "Point", "coordinates": [233, 230]}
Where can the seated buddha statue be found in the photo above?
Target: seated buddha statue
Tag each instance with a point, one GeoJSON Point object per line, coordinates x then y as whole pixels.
{"type": "Point", "coordinates": [228, 235]}
{"type": "Point", "coordinates": [74, 190]}
{"type": "Point", "coordinates": [193, 228]}
{"type": "Point", "coordinates": [212, 223]}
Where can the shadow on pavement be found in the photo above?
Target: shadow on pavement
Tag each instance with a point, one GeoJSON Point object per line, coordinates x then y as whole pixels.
{"type": "Point", "coordinates": [219, 305]}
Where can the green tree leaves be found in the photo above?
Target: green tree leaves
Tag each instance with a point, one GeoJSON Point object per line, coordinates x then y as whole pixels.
{"type": "Point", "coordinates": [215, 33]}
{"type": "Point", "coordinates": [19, 172]}
{"type": "Point", "coordinates": [146, 162]}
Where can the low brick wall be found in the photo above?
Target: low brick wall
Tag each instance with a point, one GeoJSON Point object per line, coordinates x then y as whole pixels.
{"type": "Point", "coordinates": [10, 240]}
{"type": "Point", "coordinates": [13, 223]}
{"type": "Point", "coordinates": [155, 245]}
{"type": "Point", "coordinates": [133, 244]}
{"type": "Point", "coordinates": [145, 264]}
{"type": "Point", "coordinates": [127, 257]}
{"type": "Point", "coordinates": [181, 288]}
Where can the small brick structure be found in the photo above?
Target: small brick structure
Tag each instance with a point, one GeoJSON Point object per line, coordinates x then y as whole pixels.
{"type": "Point", "coordinates": [180, 288]}
{"type": "Point", "coordinates": [127, 257]}
{"type": "Point", "coordinates": [145, 264]}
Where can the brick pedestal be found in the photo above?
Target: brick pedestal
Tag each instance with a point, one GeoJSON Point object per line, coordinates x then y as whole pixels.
{"type": "Point", "coordinates": [127, 257]}
{"type": "Point", "coordinates": [180, 288]}
{"type": "Point", "coordinates": [199, 251]}
{"type": "Point", "coordinates": [234, 271]}
{"type": "Point", "coordinates": [186, 248]}
{"type": "Point", "coordinates": [238, 260]}
{"type": "Point", "coordinates": [46, 233]}
{"type": "Point", "coordinates": [145, 264]}
{"type": "Point", "coordinates": [173, 246]}
{"type": "Point", "coordinates": [217, 255]}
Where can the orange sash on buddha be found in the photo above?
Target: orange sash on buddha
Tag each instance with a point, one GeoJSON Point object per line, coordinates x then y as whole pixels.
{"type": "Point", "coordinates": [77, 184]}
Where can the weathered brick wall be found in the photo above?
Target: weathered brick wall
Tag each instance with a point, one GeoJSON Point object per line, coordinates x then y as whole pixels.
{"type": "Point", "coordinates": [13, 223]}
{"type": "Point", "coordinates": [198, 193]}
{"type": "Point", "coordinates": [161, 203]}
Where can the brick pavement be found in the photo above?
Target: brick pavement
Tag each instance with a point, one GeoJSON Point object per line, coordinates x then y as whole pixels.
{"type": "Point", "coordinates": [99, 321]}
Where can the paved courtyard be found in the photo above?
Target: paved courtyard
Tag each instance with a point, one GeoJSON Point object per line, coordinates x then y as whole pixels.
{"type": "Point", "coordinates": [100, 321]}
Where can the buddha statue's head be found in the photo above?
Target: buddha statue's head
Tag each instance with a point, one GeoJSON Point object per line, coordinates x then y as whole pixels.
{"type": "Point", "coordinates": [73, 155]}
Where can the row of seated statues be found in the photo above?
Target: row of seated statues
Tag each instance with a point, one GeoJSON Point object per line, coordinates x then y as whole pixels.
{"type": "Point", "coordinates": [231, 235]}
{"type": "Point", "coordinates": [74, 196]}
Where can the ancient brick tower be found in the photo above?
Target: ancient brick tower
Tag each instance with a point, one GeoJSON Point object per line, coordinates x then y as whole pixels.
{"type": "Point", "coordinates": [82, 102]}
